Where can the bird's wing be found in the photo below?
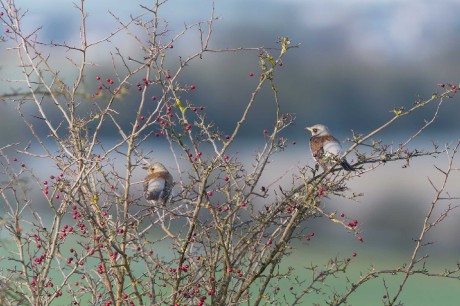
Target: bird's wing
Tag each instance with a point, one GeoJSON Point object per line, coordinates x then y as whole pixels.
{"type": "Point", "coordinates": [168, 188]}
{"type": "Point", "coordinates": [316, 147]}
{"type": "Point", "coordinates": [153, 188]}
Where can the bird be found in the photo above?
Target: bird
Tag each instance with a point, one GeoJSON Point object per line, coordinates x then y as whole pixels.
{"type": "Point", "coordinates": [158, 184]}
{"type": "Point", "coordinates": [325, 148]}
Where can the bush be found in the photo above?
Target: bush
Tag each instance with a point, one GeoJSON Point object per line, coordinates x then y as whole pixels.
{"type": "Point", "coordinates": [92, 238]}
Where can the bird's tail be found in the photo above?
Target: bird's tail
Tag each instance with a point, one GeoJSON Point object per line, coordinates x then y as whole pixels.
{"type": "Point", "coordinates": [345, 165]}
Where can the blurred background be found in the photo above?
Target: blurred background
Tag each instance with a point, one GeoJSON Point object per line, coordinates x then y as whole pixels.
{"type": "Point", "coordinates": [356, 61]}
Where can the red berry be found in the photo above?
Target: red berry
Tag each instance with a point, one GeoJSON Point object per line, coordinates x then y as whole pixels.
{"type": "Point", "coordinates": [251, 74]}
{"type": "Point", "coordinates": [320, 191]}
{"type": "Point", "coordinates": [360, 239]}
{"type": "Point", "coordinates": [192, 87]}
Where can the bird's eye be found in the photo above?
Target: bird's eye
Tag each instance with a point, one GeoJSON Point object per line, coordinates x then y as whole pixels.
{"type": "Point", "coordinates": [315, 130]}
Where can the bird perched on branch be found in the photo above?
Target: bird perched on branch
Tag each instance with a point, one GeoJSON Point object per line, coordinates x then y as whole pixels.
{"type": "Point", "coordinates": [325, 148]}
{"type": "Point", "coordinates": [157, 184]}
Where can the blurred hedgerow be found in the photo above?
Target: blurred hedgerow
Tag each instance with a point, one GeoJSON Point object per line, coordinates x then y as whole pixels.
{"type": "Point", "coordinates": [90, 238]}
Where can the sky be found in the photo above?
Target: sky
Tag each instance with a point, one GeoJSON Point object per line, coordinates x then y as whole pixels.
{"type": "Point", "coordinates": [361, 58]}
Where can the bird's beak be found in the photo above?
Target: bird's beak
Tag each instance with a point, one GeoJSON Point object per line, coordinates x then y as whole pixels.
{"type": "Point", "coordinates": [309, 128]}
{"type": "Point", "coordinates": [145, 167]}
